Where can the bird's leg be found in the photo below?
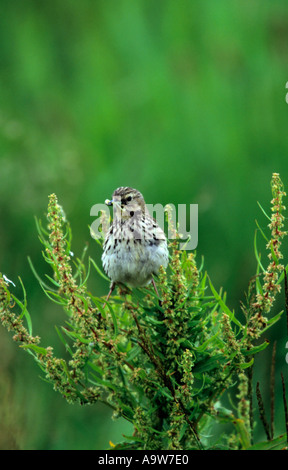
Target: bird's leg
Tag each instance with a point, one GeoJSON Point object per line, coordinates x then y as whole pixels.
{"type": "Point", "coordinates": [112, 287]}
{"type": "Point", "coordinates": [155, 288]}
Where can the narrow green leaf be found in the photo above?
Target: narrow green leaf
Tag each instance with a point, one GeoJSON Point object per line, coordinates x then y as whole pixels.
{"type": "Point", "coordinates": [134, 351]}
{"type": "Point", "coordinates": [153, 320]}
{"type": "Point", "coordinates": [25, 312]}
{"type": "Point", "coordinates": [266, 215]}
{"type": "Point", "coordinates": [56, 298]}
{"type": "Point", "coordinates": [36, 274]}
{"type": "Point", "coordinates": [281, 277]}
{"type": "Point", "coordinates": [245, 365]}
{"type": "Point", "coordinates": [224, 306]}
{"type": "Point", "coordinates": [41, 231]}
{"type": "Point", "coordinates": [257, 255]}
{"type": "Point", "coordinates": [75, 336]}
{"type": "Point", "coordinates": [243, 433]}
{"type": "Point", "coordinates": [255, 349]}
{"type": "Point", "coordinates": [279, 443]}
{"type": "Point", "coordinates": [63, 339]}
{"type": "Point", "coordinates": [166, 392]}
{"type": "Point", "coordinates": [95, 368]}
{"type": "Point", "coordinates": [272, 320]}
{"type": "Point", "coordinates": [275, 259]}
{"type": "Point", "coordinates": [204, 345]}
{"type": "Point", "coordinates": [84, 282]}
{"type": "Point", "coordinates": [98, 303]}
{"type": "Point", "coordinates": [50, 259]}
{"type": "Point", "coordinates": [53, 281]}
{"type": "Point", "coordinates": [35, 348]}
{"type": "Point", "coordinates": [104, 383]}
{"type": "Point", "coordinates": [209, 364]}
{"type": "Point", "coordinates": [99, 270]}
{"type": "Point", "coordinates": [262, 232]}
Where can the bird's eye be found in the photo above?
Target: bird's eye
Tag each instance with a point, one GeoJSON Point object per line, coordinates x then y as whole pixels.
{"type": "Point", "coordinates": [129, 198]}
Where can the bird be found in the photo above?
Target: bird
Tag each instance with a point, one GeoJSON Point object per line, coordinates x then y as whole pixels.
{"type": "Point", "coordinates": [135, 246]}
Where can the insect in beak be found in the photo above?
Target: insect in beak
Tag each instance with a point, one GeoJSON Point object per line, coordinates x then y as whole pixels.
{"type": "Point", "coordinates": [113, 202]}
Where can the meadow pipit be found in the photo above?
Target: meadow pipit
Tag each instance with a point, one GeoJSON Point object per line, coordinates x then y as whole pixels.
{"type": "Point", "coordinates": [135, 246]}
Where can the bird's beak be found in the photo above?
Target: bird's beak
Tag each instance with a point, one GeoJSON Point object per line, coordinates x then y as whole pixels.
{"type": "Point", "coordinates": [114, 202]}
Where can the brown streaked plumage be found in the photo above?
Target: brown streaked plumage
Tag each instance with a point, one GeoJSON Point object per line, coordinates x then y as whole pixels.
{"type": "Point", "coordinates": [135, 246]}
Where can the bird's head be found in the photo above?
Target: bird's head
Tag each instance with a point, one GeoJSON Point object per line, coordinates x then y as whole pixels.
{"type": "Point", "coordinates": [126, 202]}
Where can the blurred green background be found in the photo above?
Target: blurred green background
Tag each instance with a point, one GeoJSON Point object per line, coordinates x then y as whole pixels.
{"type": "Point", "coordinates": [184, 100]}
